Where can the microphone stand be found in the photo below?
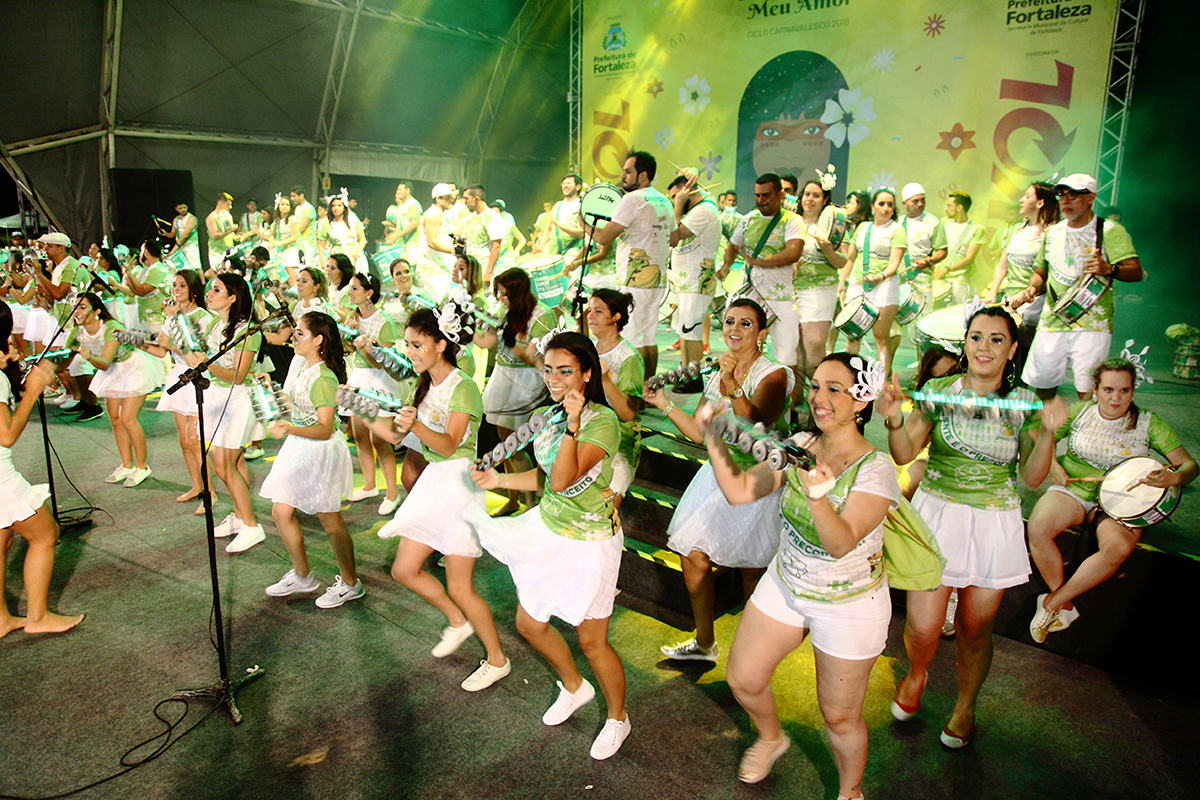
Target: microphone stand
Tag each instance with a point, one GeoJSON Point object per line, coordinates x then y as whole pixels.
{"type": "Point", "coordinates": [579, 302]}
{"type": "Point", "coordinates": [225, 689]}
{"type": "Point", "coordinates": [46, 428]}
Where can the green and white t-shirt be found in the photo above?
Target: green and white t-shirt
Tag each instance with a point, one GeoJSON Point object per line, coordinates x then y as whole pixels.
{"type": "Point", "coordinates": [215, 336]}
{"type": "Point", "coordinates": [693, 261]}
{"type": "Point", "coordinates": [803, 563]}
{"type": "Point", "coordinates": [773, 283]}
{"type": "Point", "coordinates": [628, 373]}
{"type": "Point", "coordinates": [401, 217]}
{"type": "Point", "coordinates": [926, 235]}
{"type": "Point", "coordinates": [763, 366]}
{"type": "Point", "coordinates": [456, 393]}
{"type": "Point", "coordinates": [1095, 444]}
{"type": "Point", "coordinates": [874, 244]}
{"type": "Point", "coordinates": [973, 453]}
{"type": "Point", "coordinates": [813, 270]}
{"type": "Point", "coordinates": [1024, 244]}
{"type": "Point", "coordinates": [222, 221]}
{"type": "Point", "coordinates": [94, 342]}
{"type": "Point", "coordinates": [1063, 254]}
{"type": "Point", "coordinates": [480, 230]}
{"type": "Point", "coordinates": [541, 323]}
{"type": "Point", "coordinates": [308, 235]}
{"type": "Point", "coordinates": [567, 213]}
{"type": "Point", "coordinates": [643, 249]}
{"type": "Point", "coordinates": [315, 387]}
{"type": "Point", "coordinates": [580, 511]}
{"type": "Point", "coordinates": [156, 275]}
{"type": "Point", "coordinates": [379, 327]}
{"type": "Point", "coordinates": [960, 236]}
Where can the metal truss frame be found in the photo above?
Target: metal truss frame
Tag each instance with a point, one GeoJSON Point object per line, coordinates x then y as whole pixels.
{"type": "Point", "coordinates": [1117, 99]}
{"type": "Point", "coordinates": [110, 71]}
{"type": "Point", "coordinates": [575, 92]}
{"type": "Point", "coordinates": [335, 78]}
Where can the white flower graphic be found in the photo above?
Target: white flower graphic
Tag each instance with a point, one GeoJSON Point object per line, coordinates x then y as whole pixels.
{"type": "Point", "coordinates": [591, 516]}
{"type": "Point", "coordinates": [664, 136]}
{"type": "Point", "coordinates": [933, 474]}
{"type": "Point", "coordinates": [882, 180]}
{"type": "Point", "coordinates": [884, 59]}
{"type": "Point", "coordinates": [845, 117]}
{"type": "Point", "coordinates": [693, 95]}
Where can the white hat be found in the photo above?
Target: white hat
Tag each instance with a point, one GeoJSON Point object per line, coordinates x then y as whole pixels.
{"type": "Point", "coordinates": [1078, 182]}
{"type": "Point", "coordinates": [56, 238]}
{"type": "Point", "coordinates": [442, 190]}
{"type": "Point", "coordinates": [911, 190]}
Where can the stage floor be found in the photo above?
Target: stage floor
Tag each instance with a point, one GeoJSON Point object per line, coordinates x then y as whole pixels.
{"type": "Point", "coordinates": [352, 704]}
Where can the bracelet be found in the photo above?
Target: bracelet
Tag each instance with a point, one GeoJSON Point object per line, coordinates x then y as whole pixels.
{"type": "Point", "coordinates": [670, 407]}
{"type": "Point", "coordinates": [887, 423]}
{"type": "Point", "coordinates": [820, 490]}
{"type": "Point", "coordinates": [1116, 269]}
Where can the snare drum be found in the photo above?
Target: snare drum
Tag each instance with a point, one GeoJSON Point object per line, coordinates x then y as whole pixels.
{"type": "Point", "coordinates": [599, 201]}
{"type": "Point", "coordinates": [1124, 498]}
{"type": "Point", "coordinates": [1081, 298]}
{"type": "Point", "coordinates": [384, 257]}
{"type": "Point", "coordinates": [942, 328]}
{"type": "Point", "coordinates": [857, 317]}
{"type": "Point", "coordinates": [545, 274]}
{"type": "Point", "coordinates": [177, 260]}
{"type": "Point", "coordinates": [912, 303]}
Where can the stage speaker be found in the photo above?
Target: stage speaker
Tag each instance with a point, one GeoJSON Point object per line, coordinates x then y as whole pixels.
{"type": "Point", "coordinates": [139, 194]}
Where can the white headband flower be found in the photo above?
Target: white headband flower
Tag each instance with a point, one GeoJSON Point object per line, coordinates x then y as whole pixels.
{"type": "Point", "coordinates": [345, 195]}
{"type": "Point", "coordinates": [828, 179]}
{"type": "Point", "coordinates": [278, 197]}
{"type": "Point", "coordinates": [971, 308]}
{"type": "Point", "coordinates": [1138, 362]}
{"type": "Point", "coordinates": [540, 344]}
{"type": "Point", "coordinates": [449, 321]}
{"type": "Point", "coordinates": [869, 381]}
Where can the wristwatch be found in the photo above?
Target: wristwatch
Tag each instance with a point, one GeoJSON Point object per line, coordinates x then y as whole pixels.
{"type": "Point", "coordinates": [736, 393]}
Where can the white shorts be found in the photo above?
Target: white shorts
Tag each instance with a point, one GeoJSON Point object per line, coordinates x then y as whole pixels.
{"type": "Point", "coordinates": [816, 305]}
{"type": "Point", "coordinates": [1088, 506]}
{"type": "Point", "coordinates": [855, 630]}
{"type": "Point", "coordinates": [785, 332]}
{"type": "Point", "coordinates": [689, 315]}
{"type": "Point", "coordinates": [1047, 363]}
{"type": "Point", "coordinates": [622, 474]}
{"type": "Point", "coordinates": [880, 295]}
{"type": "Point", "coordinates": [643, 317]}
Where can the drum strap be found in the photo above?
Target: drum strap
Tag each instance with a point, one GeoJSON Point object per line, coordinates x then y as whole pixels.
{"type": "Point", "coordinates": [762, 242]}
{"type": "Point", "coordinates": [866, 253]}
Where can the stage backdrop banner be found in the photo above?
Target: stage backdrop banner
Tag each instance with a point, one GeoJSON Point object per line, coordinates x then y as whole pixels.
{"type": "Point", "coordinates": [983, 97]}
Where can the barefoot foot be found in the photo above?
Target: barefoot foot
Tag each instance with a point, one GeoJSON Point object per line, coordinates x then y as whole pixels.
{"type": "Point", "coordinates": [9, 624]}
{"type": "Point", "coordinates": [188, 495]}
{"type": "Point", "coordinates": [52, 623]}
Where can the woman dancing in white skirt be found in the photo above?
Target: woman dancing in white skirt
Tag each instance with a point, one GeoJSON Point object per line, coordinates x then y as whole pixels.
{"type": "Point", "coordinates": [312, 470]}
{"type": "Point", "coordinates": [444, 415]}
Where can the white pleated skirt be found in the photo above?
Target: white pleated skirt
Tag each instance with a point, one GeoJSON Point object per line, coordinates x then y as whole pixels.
{"type": "Point", "coordinates": [310, 475]}
{"type": "Point", "coordinates": [184, 400]}
{"type": "Point", "coordinates": [982, 547]}
{"type": "Point", "coordinates": [732, 536]}
{"type": "Point", "coordinates": [571, 579]}
{"type": "Point", "coordinates": [435, 511]}
{"type": "Point", "coordinates": [18, 500]}
{"type": "Point", "coordinates": [228, 416]}
{"type": "Point", "coordinates": [512, 394]}
{"type": "Point", "coordinates": [139, 374]}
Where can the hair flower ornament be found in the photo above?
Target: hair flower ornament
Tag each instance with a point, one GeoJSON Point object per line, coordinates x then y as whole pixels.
{"type": "Point", "coordinates": [540, 344]}
{"type": "Point", "coordinates": [449, 322]}
{"type": "Point", "coordinates": [1138, 361]}
{"type": "Point", "coordinates": [869, 380]}
{"type": "Point", "coordinates": [828, 179]}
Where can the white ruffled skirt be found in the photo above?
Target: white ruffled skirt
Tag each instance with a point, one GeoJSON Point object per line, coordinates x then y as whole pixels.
{"type": "Point", "coordinates": [228, 416]}
{"type": "Point", "coordinates": [184, 400]}
{"type": "Point", "coordinates": [512, 394]}
{"type": "Point", "coordinates": [731, 536]}
{"type": "Point", "coordinates": [18, 500]}
{"type": "Point", "coordinates": [310, 475]}
{"type": "Point", "coordinates": [982, 547]}
{"type": "Point", "coordinates": [571, 579]}
{"type": "Point", "coordinates": [139, 374]}
{"type": "Point", "coordinates": [435, 511]}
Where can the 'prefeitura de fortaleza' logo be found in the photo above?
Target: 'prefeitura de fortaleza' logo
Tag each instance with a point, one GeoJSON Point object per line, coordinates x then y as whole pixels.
{"type": "Point", "coordinates": [614, 38]}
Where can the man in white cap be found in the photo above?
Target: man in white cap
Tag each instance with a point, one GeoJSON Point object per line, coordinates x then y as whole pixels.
{"type": "Point", "coordinates": [436, 255]}
{"type": "Point", "coordinates": [1081, 248]}
{"type": "Point", "coordinates": [926, 249]}
{"type": "Point", "coordinates": [59, 292]}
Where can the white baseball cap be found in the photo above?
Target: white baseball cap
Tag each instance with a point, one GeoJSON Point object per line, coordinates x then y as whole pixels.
{"type": "Point", "coordinates": [911, 190]}
{"type": "Point", "coordinates": [1079, 182]}
{"type": "Point", "coordinates": [442, 190]}
{"type": "Point", "coordinates": [56, 238]}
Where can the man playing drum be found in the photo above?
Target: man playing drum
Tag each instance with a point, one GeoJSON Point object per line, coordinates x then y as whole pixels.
{"type": "Point", "coordinates": [641, 226]}
{"type": "Point", "coordinates": [401, 220]}
{"type": "Point", "coordinates": [693, 260]}
{"type": "Point", "coordinates": [484, 229]}
{"type": "Point", "coordinates": [770, 240]}
{"type": "Point", "coordinates": [565, 230]}
{"type": "Point", "coordinates": [926, 249]}
{"type": "Point", "coordinates": [435, 255]}
{"type": "Point", "coordinates": [1069, 256]}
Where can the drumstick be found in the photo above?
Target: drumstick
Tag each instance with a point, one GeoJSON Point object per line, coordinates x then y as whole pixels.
{"type": "Point", "coordinates": [699, 189]}
{"type": "Point", "coordinates": [1087, 479]}
{"type": "Point", "coordinates": [1141, 480]}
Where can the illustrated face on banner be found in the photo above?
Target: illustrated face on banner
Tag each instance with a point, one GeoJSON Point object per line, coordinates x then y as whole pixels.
{"type": "Point", "coordinates": [779, 121]}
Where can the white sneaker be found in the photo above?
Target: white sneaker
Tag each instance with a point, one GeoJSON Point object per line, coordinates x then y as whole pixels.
{"type": "Point", "coordinates": [452, 639]}
{"type": "Point", "coordinates": [119, 474]}
{"type": "Point", "coordinates": [486, 675]}
{"type": "Point", "coordinates": [252, 453]}
{"type": "Point", "coordinates": [689, 650]}
{"type": "Point", "coordinates": [59, 398]}
{"type": "Point", "coordinates": [388, 507]}
{"type": "Point", "coordinates": [363, 494]}
{"type": "Point", "coordinates": [291, 583]}
{"type": "Point", "coordinates": [67, 404]}
{"type": "Point", "coordinates": [136, 477]}
{"type": "Point", "coordinates": [228, 527]}
{"type": "Point", "coordinates": [247, 537]}
{"type": "Point", "coordinates": [340, 592]}
{"type": "Point", "coordinates": [568, 702]}
{"type": "Point", "coordinates": [611, 737]}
